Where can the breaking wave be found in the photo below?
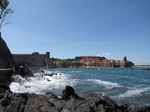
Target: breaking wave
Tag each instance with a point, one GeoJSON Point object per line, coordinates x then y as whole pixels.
{"type": "Point", "coordinates": [134, 92]}
{"type": "Point", "coordinates": [122, 84]}
{"type": "Point", "coordinates": [107, 84]}
{"type": "Point", "coordinates": [40, 84]}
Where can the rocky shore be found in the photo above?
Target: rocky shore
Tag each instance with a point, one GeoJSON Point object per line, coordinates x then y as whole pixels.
{"type": "Point", "coordinates": [69, 102]}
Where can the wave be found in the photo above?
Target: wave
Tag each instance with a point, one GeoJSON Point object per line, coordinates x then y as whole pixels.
{"type": "Point", "coordinates": [40, 84]}
{"type": "Point", "coordinates": [134, 92]}
{"type": "Point", "coordinates": [31, 84]}
{"type": "Point", "coordinates": [107, 84]}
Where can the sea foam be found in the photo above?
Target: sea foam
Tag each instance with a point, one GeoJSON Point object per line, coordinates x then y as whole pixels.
{"type": "Point", "coordinates": [107, 84]}
{"type": "Point", "coordinates": [40, 84]}
{"type": "Point", "coordinates": [134, 92]}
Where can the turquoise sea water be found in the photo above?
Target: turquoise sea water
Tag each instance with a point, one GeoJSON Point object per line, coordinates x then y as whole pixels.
{"type": "Point", "coordinates": [131, 85]}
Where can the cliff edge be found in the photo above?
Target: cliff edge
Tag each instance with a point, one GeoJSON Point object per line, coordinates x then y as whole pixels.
{"type": "Point", "coordinates": [6, 58]}
{"type": "Point", "coordinates": [6, 62]}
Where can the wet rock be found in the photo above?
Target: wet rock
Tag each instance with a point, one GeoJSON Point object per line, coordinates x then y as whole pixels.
{"type": "Point", "coordinates": [5, 76]}
{"type": "Point", "coordinates": [129, 107]}
{"type": "Point", "coordinates": [146, 68]}
{"type": "Point", "coordinates": [97, 102]}
{"type": "Point", "coordinates": [5, 102]}
{"type": "Point", "coordinates": [4, 87]}
{"type": "Point", "coordinates": [36, 70]}
{"type": "Point", "coordinates": [70, 102]}
{"type": "Point", "coordinates": [24, 71]}
{"type": "Point", "coordinates": [48, 80]}
{"type": "Point", "coordinates": [69, 93]}
{"type": "Point", "coordinates": [50, 74]}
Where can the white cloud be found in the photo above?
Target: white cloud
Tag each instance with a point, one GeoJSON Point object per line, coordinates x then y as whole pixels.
{"type": "Point", "coordinates": [105, 54]}
{"type": "Point", "coordinates": [98, 55]}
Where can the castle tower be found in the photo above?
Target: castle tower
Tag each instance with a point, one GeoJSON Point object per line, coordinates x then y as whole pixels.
{"type": "Point", "coordinates": [125, 61]}
{"type": "Point", "coordinates": [47, 54]}
{"type": "Point", "coordinates": [47, 59]}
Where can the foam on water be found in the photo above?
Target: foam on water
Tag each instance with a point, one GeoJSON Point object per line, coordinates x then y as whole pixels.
{"type": "Point", "coordinates": [117, 83]}
{"type": "Point", "coordinates": [35, 84]}
{"type": "Point", "coordinates": [134, 92]}
{"type": "Point", "coordinates": [31, 84]}
{"type": "Point", "coordinates": [41, 84]}
{"type": "Point", "coordinates": [107, 84]}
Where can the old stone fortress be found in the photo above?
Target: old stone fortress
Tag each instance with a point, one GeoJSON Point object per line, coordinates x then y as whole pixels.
{"type": "Point", "coordinates": [35, 60]}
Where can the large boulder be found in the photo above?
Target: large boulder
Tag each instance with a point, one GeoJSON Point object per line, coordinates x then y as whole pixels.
{"type": "Point", "coordinates": [69, 93]}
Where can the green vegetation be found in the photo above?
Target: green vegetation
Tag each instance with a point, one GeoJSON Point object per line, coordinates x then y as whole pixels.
{"type": "Point", "coordinates": [75, 62]}
{"type": "Point", "coordinates": [101, 58]}
{"type": "Point", "coordinates": [65, 64]}
{"type": "Point", "coordinates": [68, 63]}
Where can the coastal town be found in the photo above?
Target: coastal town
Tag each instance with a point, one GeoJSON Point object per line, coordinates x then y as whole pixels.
{"type": "Point", "coordinates": [93, 61]}
{"type": "Point", "coordinates": [44, 61]}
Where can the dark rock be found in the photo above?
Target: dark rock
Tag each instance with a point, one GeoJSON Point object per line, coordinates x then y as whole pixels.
{"type": "Point", "coordinates": [97, 102]}
{"type": "Point", "coordinates": [4, 87]}
{"type": "Point", "coordinates": [5, 76]}
{"type": "Point", "coordinates": [24, 71]}
{"type": "Point", "coordinates": [146, 68]}
{"type": "Point", "coordinates": [129, 107]}
{"type": "Point", "coordinates": [94, 102]}
{"type": "Point", "coordinates": [6, 62]}
{"type": "Point", "coordinates": [48, 80]}
{"type": "Point", "coordinates": [35, 70]}
{"type": "Point", "coordinates": [69, 93]}
{"type": "Point", "coordinates": [50, 74]}
{"type": "Point", "coordinates": [5, 102]}
{"type": "Point", "coordinates": [6, 58]}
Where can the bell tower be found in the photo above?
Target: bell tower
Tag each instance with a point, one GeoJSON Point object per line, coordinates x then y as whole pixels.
{"type": "Point", "coordinates": [125, 61]}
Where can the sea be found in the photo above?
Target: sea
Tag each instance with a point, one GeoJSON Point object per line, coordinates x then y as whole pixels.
{"type": "Point", "coordinates": [128, 84]}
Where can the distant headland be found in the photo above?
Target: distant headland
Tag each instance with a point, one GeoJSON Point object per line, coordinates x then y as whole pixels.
{"type": "Point", "coordinates": [93, 61]}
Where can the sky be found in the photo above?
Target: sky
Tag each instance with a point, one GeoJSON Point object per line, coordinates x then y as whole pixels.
{"type": "Point", "coordinates": [70, 28]}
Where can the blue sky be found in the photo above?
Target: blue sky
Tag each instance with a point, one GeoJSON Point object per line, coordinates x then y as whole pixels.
{"type": "Point", "coordinates": [69, 28]}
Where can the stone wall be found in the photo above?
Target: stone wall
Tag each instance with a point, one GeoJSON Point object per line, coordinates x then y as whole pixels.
{"type": "Point", "coordinates": [34, 60]}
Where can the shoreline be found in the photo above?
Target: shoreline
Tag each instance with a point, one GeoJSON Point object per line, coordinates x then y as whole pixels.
{"type": "Point", "coordinates": [70, 101]}
{"type": "Point", "coordinates": [142, 66]}
{"type": "Point", "coordinates": [137, 66]}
